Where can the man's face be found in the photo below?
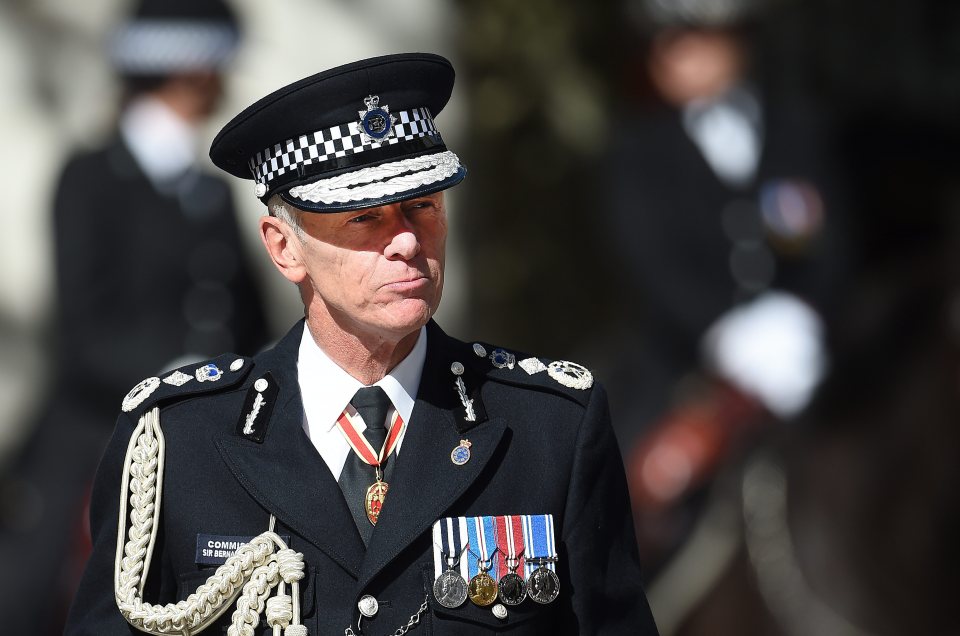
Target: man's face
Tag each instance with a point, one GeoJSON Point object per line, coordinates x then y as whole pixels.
{"type": "Point", "coordinates": [377, 271]}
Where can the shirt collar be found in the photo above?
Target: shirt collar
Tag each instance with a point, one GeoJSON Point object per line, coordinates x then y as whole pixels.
{"type": "Point", "coordinates": [326, 389]}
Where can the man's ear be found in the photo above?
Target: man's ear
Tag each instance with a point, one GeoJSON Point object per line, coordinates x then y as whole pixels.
{"type": "Point", "coordinates": [284, 248]}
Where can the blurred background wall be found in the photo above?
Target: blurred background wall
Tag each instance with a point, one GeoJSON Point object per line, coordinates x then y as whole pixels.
{"type": "Point", "coordinates": [828, 267]}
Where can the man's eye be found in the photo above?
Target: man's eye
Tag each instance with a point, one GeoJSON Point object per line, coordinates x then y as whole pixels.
{"type": "Point", "coordinates": [362, 218]}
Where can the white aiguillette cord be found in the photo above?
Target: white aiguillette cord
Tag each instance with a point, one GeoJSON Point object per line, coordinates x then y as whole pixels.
{"type": "Point", "coordinates": [251, 573]}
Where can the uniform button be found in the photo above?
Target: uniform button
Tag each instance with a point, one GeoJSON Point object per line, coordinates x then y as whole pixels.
{"type": "Point", "coordinates": [236, 364]}
{"type": "Point", "coordinates": [499, 611]}
{"type": "Point", "coordinates": [368, 606]}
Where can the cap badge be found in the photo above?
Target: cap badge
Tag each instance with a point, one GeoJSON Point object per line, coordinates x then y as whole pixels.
{"type": "Point", "coordinates": [376, 123]}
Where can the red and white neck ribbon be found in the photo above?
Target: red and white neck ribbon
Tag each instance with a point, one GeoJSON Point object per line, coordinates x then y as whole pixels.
{"type": "Point", "coordinates": [347, 424]}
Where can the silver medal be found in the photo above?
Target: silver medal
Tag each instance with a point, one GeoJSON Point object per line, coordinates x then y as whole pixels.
{"type": "Point", "coordinates": [543, 585]}
{"type": "Point", "coordinates": [450, 589]}
{"type": "Point", "coordinates": [512, 589]}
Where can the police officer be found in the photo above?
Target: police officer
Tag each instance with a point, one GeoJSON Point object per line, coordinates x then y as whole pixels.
{"type": "Point", "coordinates": [370, 474]}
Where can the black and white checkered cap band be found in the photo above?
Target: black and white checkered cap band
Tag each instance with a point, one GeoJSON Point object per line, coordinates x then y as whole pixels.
{"type": "Point", "coordinates": [336, 142]}
{"type": "Point", "coordinates": [149, 47]}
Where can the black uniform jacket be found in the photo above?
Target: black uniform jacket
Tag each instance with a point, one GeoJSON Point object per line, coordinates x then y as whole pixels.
{"type": "Point", "coordinates": [537, 447]}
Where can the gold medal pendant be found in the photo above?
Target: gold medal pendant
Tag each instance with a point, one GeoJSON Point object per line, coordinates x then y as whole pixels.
{"type": "Point", "coordinates": [373, 502]}
{"type": "Point", "coordinates": [482, 589]}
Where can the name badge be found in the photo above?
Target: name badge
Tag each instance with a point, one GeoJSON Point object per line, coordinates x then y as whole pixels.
{"type": "Point", "coordinates": [215, 549]}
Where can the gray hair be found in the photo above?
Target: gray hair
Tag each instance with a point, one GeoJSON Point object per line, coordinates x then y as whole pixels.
{"type": "Point", "coordinates": [290, 215]}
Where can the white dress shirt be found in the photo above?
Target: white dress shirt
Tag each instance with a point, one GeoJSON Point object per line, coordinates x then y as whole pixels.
{"type": "Point", "coordinates": [728, 131]}
{"type": "Point", "coordinates": [326, 391]}
{"type": "Point", "coordinates": [163, 144]}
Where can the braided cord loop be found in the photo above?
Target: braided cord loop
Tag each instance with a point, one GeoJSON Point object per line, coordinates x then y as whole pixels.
{"type": "Point", "coordinates": [250, 574]}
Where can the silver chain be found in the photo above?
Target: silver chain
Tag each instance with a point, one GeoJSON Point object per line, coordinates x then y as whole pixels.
{"type": "Point", "coordinates": [411, 623]}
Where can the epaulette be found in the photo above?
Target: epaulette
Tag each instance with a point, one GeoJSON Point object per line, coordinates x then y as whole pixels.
{"type": "Point", "coordinates": [200, 377]}
{"type": "Point", "coordinates": [568, 379]}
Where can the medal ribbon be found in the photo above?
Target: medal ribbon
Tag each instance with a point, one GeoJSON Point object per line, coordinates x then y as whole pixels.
{"type": "Point", "coordinates": [358, 442]}
{"type": "Point", "coordinates": [538, 537]}
{"type": "Point", "coordinates": [451, 541]}
{"type": "Point", "coordinates": [509, 543]}
{"type": "Point", "coordinates": [450, 535]}
{"type": "Point", "coordinates": [481, 537]}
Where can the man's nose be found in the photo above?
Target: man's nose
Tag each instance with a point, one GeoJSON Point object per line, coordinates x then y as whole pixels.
{"type": "Point", "coordinates": [405, 243]}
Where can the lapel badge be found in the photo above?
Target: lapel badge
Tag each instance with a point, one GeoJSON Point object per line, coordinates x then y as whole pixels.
{"type": "Point", "coordinates": [471, 416]}
{"type": "Point", "coordinates": [502, 359]}
{"type": "Point", "coordinates": [376, 123]}
{"type": "Point", "coordinates": [461, 454]}
{"type": "Point", "coordinates": [259, 386]}
{"type": "Point", "coordinates": [139, 393]}
{"type": "Point", "coordinates": [532, 365]}
{"type": "Point", "coordinates": [259, 403]}
{"type": "Point", "coordinates": [177, 378]}
{"type": "Point", "coordinates": [208, 373]}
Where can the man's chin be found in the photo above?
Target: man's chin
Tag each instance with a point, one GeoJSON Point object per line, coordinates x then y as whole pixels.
{"type": "Point", "coordinates": [406, 316]}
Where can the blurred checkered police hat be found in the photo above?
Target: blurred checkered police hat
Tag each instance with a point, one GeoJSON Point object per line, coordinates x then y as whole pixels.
{"type": "Point", "coordinates": [166, 37]}
{"type": "Point", "coordinates": [351, 137]}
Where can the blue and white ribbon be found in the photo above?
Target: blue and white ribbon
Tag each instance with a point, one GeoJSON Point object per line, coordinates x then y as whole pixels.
{"type": "Point", "coordinates": [539, 540]}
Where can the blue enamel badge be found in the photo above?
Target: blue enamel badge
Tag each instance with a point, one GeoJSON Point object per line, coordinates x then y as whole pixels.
{"type": "Point", "coordinates": [461, 454]}
{"type": "Point", "coordinates": [376, 122]}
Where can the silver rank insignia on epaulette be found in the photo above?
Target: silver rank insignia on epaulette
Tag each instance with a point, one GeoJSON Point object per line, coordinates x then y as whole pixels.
{"type": "Point", "coordinates": [139, 393]}
{"type": "Point", "coordinates": [208, 373]}
{"type": "Point", "coordinates": [177, 378]}
{"type": "Point", "coordinates": [532, 365]}
{"type": "Point", "coordinates": [570, 374]}
{"type": "Point", "coordinates": [257, 408]}
{"type": "Point", "coordinates": [502, 359]}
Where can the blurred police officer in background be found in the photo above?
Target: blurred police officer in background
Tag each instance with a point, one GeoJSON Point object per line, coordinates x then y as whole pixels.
{"type": "Point", "coordinates": [725, 216]}
{"type": "Point", "coordinates": [369, 474]}
{"type": "Point", "coordinates": [150, 273]}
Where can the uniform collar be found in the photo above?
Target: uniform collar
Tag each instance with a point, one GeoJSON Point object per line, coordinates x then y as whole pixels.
{"type": "Point", "coordinates": [326, 389]}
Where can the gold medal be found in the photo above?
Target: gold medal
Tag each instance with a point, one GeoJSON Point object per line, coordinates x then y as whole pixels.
{"type": "Point", "coordinates": [482, 589]}
{"type": "Point", "coordinates": [373, 502]}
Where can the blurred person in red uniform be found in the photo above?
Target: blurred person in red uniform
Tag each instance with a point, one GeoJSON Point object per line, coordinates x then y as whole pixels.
{"type": "Point", "coordinates": [151, 273]}
{"type": "Point", "coordinates": [726, 219]}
